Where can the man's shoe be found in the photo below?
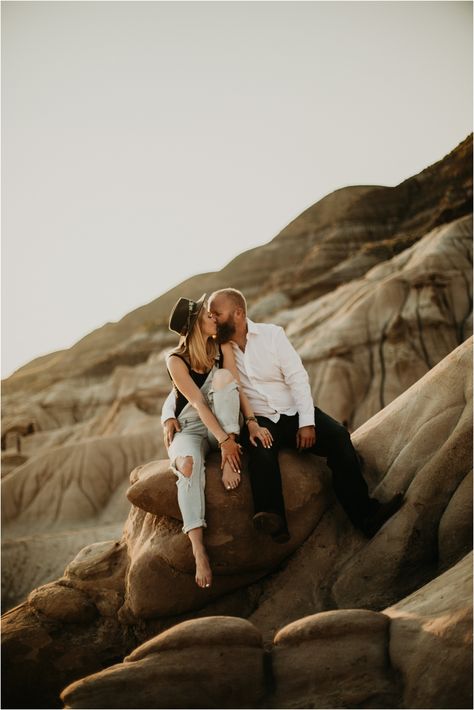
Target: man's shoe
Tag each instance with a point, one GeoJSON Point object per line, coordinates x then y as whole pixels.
{"type": "Point", "coordinates": [281, 537]}
{"type": "Point", "coordinates": [373, 522]}
{"type": "Point", "coordinates": [269, 523]}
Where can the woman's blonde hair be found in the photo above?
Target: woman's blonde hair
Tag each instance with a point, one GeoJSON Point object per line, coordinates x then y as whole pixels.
{"type": "Point", "coordinates": [198, 350]}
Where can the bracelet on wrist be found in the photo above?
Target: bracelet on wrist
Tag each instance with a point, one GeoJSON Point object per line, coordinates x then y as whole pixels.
{"type": "Point", "coordinates": [219, 443]}
{"type": "Point", "coordinates": [251, 419]}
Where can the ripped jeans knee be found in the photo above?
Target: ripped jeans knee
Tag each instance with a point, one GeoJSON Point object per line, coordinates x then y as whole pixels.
{"type": "Point", "coordinates": [190, 473]}
{"type": "Point", "coordinates": [185, 464]}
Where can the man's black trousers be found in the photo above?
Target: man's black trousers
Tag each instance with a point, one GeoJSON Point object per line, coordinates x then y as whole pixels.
{"type": "Point", "coordinates": [333, 441]}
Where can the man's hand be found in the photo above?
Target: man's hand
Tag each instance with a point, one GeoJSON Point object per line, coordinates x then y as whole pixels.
{"type": "Point", "coordinates": [170, 427]}
{"type": "Point", "coordinates": [305, 437]}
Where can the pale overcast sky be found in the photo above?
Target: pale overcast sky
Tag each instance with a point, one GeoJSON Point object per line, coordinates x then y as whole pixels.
{"type": "Point", "coordinates": [144, 142]}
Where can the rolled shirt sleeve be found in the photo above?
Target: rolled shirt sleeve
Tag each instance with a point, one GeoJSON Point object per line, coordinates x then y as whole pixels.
{"type": "Point", "coordinates": [296, 377]}
{"type": "Point", "coordinates": [169, 406]}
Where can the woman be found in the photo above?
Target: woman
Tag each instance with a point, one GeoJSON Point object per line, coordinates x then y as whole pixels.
{"type": "Point", "coordinates": [207, 410]}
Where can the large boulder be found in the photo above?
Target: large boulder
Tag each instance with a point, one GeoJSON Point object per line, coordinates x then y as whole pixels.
{"type": "Point", "coordinates": [31, 561]}
{"type": "Point", "coordinates": [336, 659]}
{"type": "Point", "coordinates": [52, 639]}
{"type": "Point", "coordinates": [215, 662]}
{"type": "Point", "coordinates": [66, 629]}
{"type": "Point", "coordinates": [160, 578]}
{"type": "Point", "coordinates": [416, 654]}
{"type": "Point", "coordinates": [431, 641]}
{"type": "Point", "coordinates": [424, 448]}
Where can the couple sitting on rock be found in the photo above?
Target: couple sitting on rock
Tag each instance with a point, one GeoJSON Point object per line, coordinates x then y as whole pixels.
{"type": "Point", "coordinates": [227, 369]}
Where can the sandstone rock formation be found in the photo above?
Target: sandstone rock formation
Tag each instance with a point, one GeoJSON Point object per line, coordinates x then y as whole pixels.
{"type": "Point", "coordinates": [369, 340]}
{"type": "Point", "coordinates": [416, 654]}
{"type": "Point", "coordinates": [160, 578]}
{"type": "Point", "coordinates": [70, 488]}
{"type": "Point", "coordinates": [220, 655]}
{"type": "Point", "coordinates": [336, 240]}
{"type": "Point", "coordinates": [420, 442]}
{"type": "Point", "coordinates": [63, 499]}
{"type": "Point", "coordinates": [431, 640]}
{"type": "Point", "coordinates": [334, 659]}
{"type": "Point", "coordinates": [432, 461]}
{"type": "Point", "coordinates": [373, 285]}
{"type": "Point", "coordinates": [33, 560]}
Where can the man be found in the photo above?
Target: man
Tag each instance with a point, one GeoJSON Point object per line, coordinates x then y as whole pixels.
{"type": "Point", "coordinates": [277, 387]}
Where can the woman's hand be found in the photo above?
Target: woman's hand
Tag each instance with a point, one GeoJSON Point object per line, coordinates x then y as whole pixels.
{"type": "Point", "coordinates": [170, 427]}
{"type": "Point", "coordinates": [261, 433]}
{"type": "Point", "coordinates": [231, 451]}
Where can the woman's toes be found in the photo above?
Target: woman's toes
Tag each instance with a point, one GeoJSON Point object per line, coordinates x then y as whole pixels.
{"type": "Point", "coordinates": [231, 480]}
{"type": "Point", "coordinates": [203, 571]}
{"type": "Point", "coordinates": [205, 581]}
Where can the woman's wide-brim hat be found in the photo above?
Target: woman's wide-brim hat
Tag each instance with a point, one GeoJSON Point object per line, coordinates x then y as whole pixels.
{"type": "Point", "coordinates": [185, 314]}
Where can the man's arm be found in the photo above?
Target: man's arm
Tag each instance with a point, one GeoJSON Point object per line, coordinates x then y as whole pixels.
{"type": "Point", "coordinates": [295, 377]}
{"type": "Point", "coordinates": [168, 419]}
{"type": "Point", "coordinates": [169, 406]}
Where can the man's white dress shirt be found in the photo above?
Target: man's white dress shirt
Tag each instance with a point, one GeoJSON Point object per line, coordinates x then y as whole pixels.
{"type": "Point", "coordinates": [271, 375]}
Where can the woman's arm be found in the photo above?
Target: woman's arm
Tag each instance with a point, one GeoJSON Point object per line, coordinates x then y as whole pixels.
{"type": "Point", "coordinates": [186, 385]}
{"type": "Point", "coordinates": [255, 430]}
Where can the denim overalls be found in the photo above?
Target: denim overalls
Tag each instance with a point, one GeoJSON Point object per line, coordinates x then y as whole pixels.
{"type": "Point", "coordinates": [195, 440]}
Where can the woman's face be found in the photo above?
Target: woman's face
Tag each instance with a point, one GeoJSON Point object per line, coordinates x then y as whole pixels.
{"type": "Point", "coordinates": [208, 323]}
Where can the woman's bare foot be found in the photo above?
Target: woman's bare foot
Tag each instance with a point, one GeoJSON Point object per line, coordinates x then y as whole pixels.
{"type": "Point", "coordinates": [230, 478]}
{"type": "Point", "coordinates": [203, 568]}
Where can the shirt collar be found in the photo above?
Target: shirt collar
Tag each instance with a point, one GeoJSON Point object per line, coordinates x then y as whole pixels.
{"type": "Point", "coordinates": [252, 328]}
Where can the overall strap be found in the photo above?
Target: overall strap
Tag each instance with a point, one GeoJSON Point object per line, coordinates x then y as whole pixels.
{"type": "Point", "coordinates": [204, 386]}
{"type": "Point", "coordinates": [208, 381]}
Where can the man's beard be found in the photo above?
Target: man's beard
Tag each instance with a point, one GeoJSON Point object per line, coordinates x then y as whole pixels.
{"type": "Point", "coordinates": [225, 331]}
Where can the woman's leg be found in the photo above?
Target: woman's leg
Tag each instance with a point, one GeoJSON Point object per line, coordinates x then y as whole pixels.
{"type": "Point", "coordinates": [226, 406]}
{"type": "Point", "coordinates": [187, 456]}
{"type": "Point", "coordinates": [203, 568]}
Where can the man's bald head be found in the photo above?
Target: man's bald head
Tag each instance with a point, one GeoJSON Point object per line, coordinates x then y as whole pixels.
{"type": "Point", "coordinates": [236, 297]}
